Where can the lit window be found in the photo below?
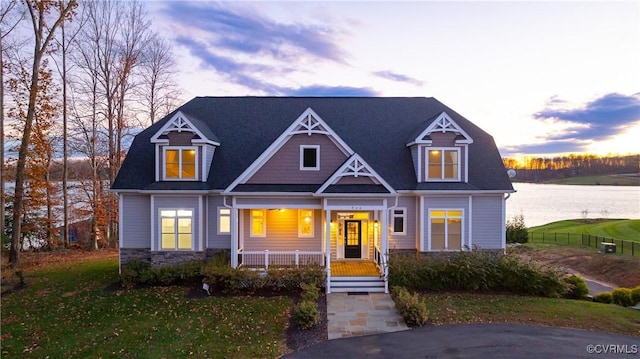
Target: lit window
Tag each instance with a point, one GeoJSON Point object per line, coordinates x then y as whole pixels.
{"type": "Point", "coordinates": [398, 220]}
{"type": "Point", "coordinates": [180, 163]}
{"type": "Point", "coordinates": [305, 223]}
{"type": "Point", "coordinates": [258, 223]}
{"type": "Point", "coordinates": [446, 229]}
{"type": "Point", "coordinates": [224, 220]}
{"type": "Point", "coordinates": [309, 157]}
{"type": "Point", "coordinates": [176, 229]}
{"type": "Point", "coordinates": [443, 164]}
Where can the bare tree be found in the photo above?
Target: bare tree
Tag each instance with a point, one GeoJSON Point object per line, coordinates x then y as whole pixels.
{"type": "Point", "coordinates": [39, 12]}
{"type": "Point", "coordinates": [158, 91]}
{"type": "Point", "coordinates": [110, 49]}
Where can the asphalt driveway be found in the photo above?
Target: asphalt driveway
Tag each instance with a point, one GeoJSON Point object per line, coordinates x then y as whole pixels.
{"type": "Point", "coordinates": [479, 341]}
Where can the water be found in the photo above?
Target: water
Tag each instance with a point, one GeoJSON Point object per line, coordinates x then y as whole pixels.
{"type": "Point", "coordinates": [545, 203]}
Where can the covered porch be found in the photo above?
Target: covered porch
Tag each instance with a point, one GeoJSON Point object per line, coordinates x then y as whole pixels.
{"type": "Point", "coordinates": [345, 236]}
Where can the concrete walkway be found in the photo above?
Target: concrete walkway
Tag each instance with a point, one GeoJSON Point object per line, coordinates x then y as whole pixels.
{"type": "Point", "coordinates": [350, 315]}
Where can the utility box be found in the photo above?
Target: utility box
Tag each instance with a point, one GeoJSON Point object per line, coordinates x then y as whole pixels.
{"type": "Point", "coordinates": [606, 247]}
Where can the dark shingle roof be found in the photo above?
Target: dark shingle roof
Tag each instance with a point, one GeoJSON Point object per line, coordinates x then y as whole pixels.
{"type": "Point", "coordinates": [375, 128]}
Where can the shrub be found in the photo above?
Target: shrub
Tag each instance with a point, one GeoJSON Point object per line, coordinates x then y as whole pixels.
{"type": "Point", "coordinates": [604, 297]}
{"type": "Point", "coordinates": [577, 287]}
{"type": "Point", "coordinates": [306, 314]}
{"type": "Point", "coordinates": [141, 272]}
{"type": "Point", "coordinates": [635, 295]}
{"type": "Point", "coordinates": [234, 280]}
{"type": "Point", "coordinates": [410, 306]}
{"type": "Point", "coordinates": [517, 230]}
{"type": "Point", "coordinates": [622, 296]}
{"type": "Point", "coordinates": [475, 271]}
{"type": "Point", "coordinates": [309, 292]}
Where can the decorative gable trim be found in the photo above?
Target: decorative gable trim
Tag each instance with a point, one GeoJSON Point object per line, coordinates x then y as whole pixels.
{"type": "Point", "coordinates": [180, 123]}
{"type": "Point", "coordinates": [307, 123]}
{"type": "Point", "coordinates": [443, 123]}
{"type": "Point", "coordinates": [355, 166]}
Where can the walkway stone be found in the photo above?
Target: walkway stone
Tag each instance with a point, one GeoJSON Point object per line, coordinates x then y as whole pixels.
{"type": "Point", "coordinates": [350, 315]}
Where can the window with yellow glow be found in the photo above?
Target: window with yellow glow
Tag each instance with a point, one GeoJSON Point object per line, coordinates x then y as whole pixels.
{"type": "Point", "coordinates": [445, 230]}
{"type": "Point", "coordinates": [180, 163]}
{"type": "Point", "coordinates": [443, 164]}
{"type": "Point", "coordinates": [258, 223]}
{"type": "Point", "coordinates": [305, 223]}
{"type": "Point", "coordinates": [176, 229]}
{"type": "Point", "coordinates": [224, 220]}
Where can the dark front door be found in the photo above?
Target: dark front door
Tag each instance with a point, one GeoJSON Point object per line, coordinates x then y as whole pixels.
{"type": "Point", "coordinates": [352, 239]}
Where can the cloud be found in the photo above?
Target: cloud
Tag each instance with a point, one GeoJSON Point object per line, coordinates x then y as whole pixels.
{"type": "Point", "coordinates": [599, 120]}
{"type": "Point", "coordinates": [337, 91]}
{"type": "Point", "coordinates": [398, 77]}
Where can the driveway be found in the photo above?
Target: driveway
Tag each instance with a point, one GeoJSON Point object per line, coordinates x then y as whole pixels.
{"type": "Point", "coordinates": [478, 341]}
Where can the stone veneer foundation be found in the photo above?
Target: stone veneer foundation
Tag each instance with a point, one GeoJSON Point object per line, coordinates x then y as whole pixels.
{"type": "Point", "coordinates": [159, 258]}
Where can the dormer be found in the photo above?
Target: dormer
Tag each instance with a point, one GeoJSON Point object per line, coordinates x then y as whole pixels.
{"type": "Point", "coordinates": [184, 149]}
{"type": "Point", "coordinates": [440, 151]}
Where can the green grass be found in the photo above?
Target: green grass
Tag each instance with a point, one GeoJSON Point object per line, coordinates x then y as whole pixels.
{"type": "Point", "coordinates": [65, 312]}
{"type": "Point", "coordinates": [627, 229]}
{"type": "Point", "coordinates": [451, 308]}
{"type": "Point", "coordinates": [619, 180]}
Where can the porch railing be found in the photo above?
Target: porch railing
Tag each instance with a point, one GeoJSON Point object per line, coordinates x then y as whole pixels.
{"type": "Point", "coordinates": [381, 260]}
{"type": "Point", "coordinates": [265, 259]}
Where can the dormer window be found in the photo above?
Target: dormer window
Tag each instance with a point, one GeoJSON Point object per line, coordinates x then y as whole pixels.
{"type": "Point", "coordinates": [180, 163]}
{"type": "Point", "coordinates": [443, 164]}
{"type": "Point", "coordinates": [309, 158]}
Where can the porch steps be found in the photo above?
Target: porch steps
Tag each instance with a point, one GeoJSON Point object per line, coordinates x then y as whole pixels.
{"type": "Point", "coordinates": [340, 284]}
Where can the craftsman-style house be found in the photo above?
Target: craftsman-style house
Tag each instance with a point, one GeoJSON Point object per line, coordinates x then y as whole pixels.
{"type": "Point", "coordinates": [297, 180]}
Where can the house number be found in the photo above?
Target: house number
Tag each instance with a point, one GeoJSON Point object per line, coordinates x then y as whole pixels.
{"type": "Point", "coordinates": [356, 207]}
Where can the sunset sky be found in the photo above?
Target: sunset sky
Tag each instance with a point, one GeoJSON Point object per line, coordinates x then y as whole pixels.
{"type": "Point", "coordinates": [543, 78]}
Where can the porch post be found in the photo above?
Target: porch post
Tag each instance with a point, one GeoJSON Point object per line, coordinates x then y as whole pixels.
{"type": "Point", "coordinates": [328, 248]}
{"type": "Point", "coordinates": [385, 246]}
{"type": "Point", "coordinates": [234, 238]}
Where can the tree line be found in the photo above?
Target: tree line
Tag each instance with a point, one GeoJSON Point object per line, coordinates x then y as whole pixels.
{"type": "Point", "coordinates": [77, 77]}
{"type": "Point", "coordinates": [539, 169]}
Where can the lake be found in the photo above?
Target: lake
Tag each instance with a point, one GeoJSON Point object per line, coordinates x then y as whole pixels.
{"type": "Point", "coordinates": [545, 203]}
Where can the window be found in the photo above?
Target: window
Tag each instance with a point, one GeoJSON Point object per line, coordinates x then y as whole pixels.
{"type": "Point", "coordinates": [176, 229]}
{"type": "Point", "coordinates": [309, 158]}
{"type": "Point", "coordinates": [180, 163]}
{"type": "Point", "coordinates": [398, 220]}
{"type": "Point", "coordinates": [224, 220]}
{"type": "Point", "coordinates": [305, 223]}
{"type": "Point", "coordinates": [443, 164]}
{"type": "Point", "coordinates": [446, 229]}
{"type": "Point", "coordinates": [258, 223]}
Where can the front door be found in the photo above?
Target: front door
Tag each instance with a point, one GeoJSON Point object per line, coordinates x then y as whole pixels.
{"type": "Point", "coordinates": [352, 239]}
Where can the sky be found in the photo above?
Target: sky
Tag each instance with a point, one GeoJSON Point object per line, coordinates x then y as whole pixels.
{"type": "Point", "coordinates": [544, 78]}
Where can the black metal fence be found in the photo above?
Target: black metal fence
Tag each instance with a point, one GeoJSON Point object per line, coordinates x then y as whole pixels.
{"type": "Point", "coordinates": [622, 246]}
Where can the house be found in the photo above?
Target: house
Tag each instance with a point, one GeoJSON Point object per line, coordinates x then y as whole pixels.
{"type": "Point", "coordinates": [339, 182]}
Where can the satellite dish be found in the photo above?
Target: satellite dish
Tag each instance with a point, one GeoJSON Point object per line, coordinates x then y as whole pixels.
{"type": "Point", "coordinates": [511, 173]}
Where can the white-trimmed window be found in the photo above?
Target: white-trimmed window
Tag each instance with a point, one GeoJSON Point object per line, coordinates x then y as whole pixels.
{"type": "Point", "coordinates": [224, 220]}
{"type": "Point", "coordinates": [399, 221]}
{"type": "Point", "coordinates": [176, 229]}
{"type": "Point", "coordinates": [180, 163]}
{"type": "Point", "coordinates": [443, 164]}
{"type": "Point", "coordinates": [258, 223]}
{"type": "Point", "coordinates": [309, 157]}
{"type": "Point", "coordinates": [305, 223]}
{"type": "Point", "coordinates": [445, 229]}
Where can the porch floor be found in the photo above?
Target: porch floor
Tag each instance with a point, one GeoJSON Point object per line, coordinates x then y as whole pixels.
{"type": "Point", "coordinates": [354, 269]}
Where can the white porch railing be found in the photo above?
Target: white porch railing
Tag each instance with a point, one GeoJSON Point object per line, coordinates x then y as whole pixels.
{"type": "Point", "coordinates": [381, 260]}
{"type": "Point", "coordinates": [265, 259]}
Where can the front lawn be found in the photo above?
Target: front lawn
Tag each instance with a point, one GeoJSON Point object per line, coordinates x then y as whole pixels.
{"type": "Point", "coordinates": [455, 308]}
{"type": "Point", "coordinates": [72, 310]}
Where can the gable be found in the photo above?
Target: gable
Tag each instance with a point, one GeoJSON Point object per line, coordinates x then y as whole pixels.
{"type": "Point", "coordinates": [354, 173]}
{"type": "Point", "coordinates": [280, 163]}
{"type": "Point", "coordinates": [181, 127]}
{"type": "Point", "coordinates": [442, 126]}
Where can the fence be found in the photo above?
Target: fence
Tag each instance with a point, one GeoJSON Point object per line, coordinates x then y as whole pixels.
{"type": "Point", "coordinates": [623, 247]}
